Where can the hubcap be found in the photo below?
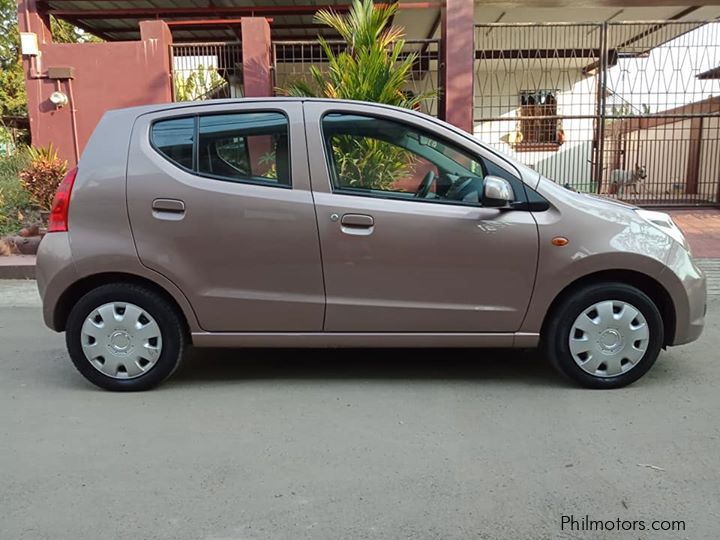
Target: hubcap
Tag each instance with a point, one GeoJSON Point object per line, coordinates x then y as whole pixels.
{"type": "Point", "coordinates": [609, 338]}
{"type": "Point", "coordinates": [121, 340]}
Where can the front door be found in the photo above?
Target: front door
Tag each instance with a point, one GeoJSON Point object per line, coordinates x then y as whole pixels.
{"type": "Point", "coordinates": [220, 203]}
{"type": "Point", "coordinates": [406, 244]}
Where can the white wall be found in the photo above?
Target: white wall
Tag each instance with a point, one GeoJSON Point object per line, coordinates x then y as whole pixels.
{"type": "Point", "coordinates": [664, 151]}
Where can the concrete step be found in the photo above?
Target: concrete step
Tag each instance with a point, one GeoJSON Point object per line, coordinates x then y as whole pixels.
{"type": "Point", "coordinates": [17, 267]}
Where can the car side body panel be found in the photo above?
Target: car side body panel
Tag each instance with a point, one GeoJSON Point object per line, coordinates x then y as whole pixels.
{"type": "Point", "coordinates": [99, 241]}
{"type": "Point", "coordinates": [246, 255]}
{"type": "Point", "coordinates": [423, 266]}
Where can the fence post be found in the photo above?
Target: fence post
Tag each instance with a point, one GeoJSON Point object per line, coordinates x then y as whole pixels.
{"type": "Point", "coordinates": [692, 174]}
{"type": "Point", "coordinates": [601, 112]}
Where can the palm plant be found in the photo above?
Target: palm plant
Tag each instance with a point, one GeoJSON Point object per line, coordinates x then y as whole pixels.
{"type": "Point", "coordinates": [370, 67]}
{"type": "Point", "coordinates": [199, 84]}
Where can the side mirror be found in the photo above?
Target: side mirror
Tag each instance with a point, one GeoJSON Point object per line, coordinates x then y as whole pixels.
{"type": "Point", "coordinates": [497, 192]}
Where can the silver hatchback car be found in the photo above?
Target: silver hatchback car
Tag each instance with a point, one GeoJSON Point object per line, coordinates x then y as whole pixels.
{"type": "Point", "coordinates": [322, 223]}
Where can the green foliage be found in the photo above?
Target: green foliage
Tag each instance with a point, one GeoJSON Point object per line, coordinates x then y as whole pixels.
{"type": "Point", "coordinates": [369, 163]}
{"type": "Point", "coordinates": [370, 68]}
{"type": "Point", "coordinates": [42, 175]}
{"type": "Point", "coordinates": [12, 81]}
{"type": "Point", "coordinates": [269, 161]}
{"type": "Point", "coordinates": [627, 109]}
{"type": "Point", "coordinates": [64, 32]}
{"type": "Point", "coordinates": [14, 200]}
{"type": "Point", "coordinates": [199, 84]}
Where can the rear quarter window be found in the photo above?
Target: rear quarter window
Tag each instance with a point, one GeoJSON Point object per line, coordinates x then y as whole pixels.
{"type": "Point", "coordinates": [173, 138]}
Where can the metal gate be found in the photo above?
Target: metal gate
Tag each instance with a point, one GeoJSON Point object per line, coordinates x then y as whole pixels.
{"type": "Point", "coordinates": [629, 110]}
{"type": "Point", "coordinates": [206, 71]}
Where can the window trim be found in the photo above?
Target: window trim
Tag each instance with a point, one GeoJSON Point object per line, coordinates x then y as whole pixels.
{"type": "Point", "coordinates": [520, 195]}
{"type": "Point", "coordinates": [196, 147]}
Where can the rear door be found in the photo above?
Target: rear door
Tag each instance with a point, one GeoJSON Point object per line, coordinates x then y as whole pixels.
{"type": "Point", "coordinates": [407, 245]}
{"type": "Point", "coordinates": [220, 203]}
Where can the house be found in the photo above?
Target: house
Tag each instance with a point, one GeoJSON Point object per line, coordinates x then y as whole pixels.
{"type": "Point", "coordinates": [548, 82]}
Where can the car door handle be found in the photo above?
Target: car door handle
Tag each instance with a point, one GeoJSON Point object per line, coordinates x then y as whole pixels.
{"type": "Point", "coordinates": [357, 220]}
{"type": "Point", "coordinates": [357, 224]}
{"type": "Point", "coordinates": [171, 209]}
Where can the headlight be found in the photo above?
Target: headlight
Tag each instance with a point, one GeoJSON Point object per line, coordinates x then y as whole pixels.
{"type": "Point", "coordinates": [665, 223]}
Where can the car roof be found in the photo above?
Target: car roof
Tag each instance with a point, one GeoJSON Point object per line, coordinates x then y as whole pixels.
{"type": "Point", "coordinates": [144, 109]}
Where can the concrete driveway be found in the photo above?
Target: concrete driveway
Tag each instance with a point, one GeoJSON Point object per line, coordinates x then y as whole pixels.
{"type": "Point", "coordinates": [333, 444]}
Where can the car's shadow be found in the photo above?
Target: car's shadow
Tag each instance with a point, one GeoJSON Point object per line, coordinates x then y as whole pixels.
{"type": "Point", "coordinates": [520, 367]}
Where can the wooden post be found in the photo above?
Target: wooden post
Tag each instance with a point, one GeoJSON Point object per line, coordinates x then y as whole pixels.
{"type": "Point", "coordinates": [692, 176]}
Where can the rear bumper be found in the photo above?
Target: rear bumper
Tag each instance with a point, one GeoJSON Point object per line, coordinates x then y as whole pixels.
{"type": "Point", "coordinates": [54, 273]}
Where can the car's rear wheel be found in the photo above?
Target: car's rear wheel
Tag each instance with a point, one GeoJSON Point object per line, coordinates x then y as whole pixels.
{"type": "Point", "coordinates": [605, 335]}
{"type": "Point", "coordinates": [125, 337]}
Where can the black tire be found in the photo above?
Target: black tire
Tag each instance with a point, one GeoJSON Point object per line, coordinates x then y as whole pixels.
{"type": "Point", "coordinates": [556, 334]}
{"type": "Point", "coordinates": [165, 314]}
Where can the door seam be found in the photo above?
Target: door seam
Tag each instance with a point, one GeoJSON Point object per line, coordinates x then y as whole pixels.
{"type": "Point", "coordinates": [317, 219]}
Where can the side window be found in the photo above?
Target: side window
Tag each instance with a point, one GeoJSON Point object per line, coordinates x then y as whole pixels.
{"type": "Point", "coordinates": [174, 140]}
{"type": "Point", "coordinates": [244, 147]}
{"type": "Point", "coordinates": [379, 157]}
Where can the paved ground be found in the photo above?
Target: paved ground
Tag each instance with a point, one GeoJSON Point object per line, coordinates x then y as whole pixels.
{"type": "Point", "coordinates": [702, 229]}
{"type": "Point", "coordinates": [266, 445]}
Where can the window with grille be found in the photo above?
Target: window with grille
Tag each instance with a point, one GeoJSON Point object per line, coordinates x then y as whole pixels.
{"type": "Point", "coordinates": [538, 120]}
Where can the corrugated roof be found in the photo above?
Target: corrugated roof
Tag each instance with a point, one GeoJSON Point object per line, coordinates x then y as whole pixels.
{"type": "Point", "coordinates": [293, 19]}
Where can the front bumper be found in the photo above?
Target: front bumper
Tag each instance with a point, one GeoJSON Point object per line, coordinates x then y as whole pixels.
{"type": "Point", "coordinates": [689, 296]}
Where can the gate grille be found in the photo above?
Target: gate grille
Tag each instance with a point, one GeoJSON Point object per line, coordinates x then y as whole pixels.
{"type": "Point", "coordinates": [206, 71]}
{"type": "Point", "coordinates": [629, 110]}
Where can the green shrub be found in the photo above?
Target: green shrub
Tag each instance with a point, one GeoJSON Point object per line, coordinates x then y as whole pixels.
{"type": "Point", "coordinates": [14, 200]}
{"type": "Point", "coordinates": [42, 175]}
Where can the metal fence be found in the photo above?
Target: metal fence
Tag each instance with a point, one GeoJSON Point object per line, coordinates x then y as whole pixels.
{"type": "Point", "coordinates": [629, 110]}
{"type": "Point", "coordinates": [292, 61]}
{"type": "Point", "coordinates": [206, 71]}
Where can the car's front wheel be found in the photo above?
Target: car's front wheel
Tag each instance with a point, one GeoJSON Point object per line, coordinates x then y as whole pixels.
{"type": "Point", "coordinates": [605, 335]}
{"type": "Point", "coordinates": [125, 337]}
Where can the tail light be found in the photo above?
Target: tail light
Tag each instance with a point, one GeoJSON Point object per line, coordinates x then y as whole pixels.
{"type": "Point", "coordinates": [58, 221]}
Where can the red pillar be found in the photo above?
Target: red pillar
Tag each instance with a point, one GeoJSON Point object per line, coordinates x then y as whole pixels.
{"type": "Point", "coordinates": [156, 35]}
{"type": "Point", "coordinates": [256, 51]}
{"type": "Point", "coordinates": [458, 58]}
{"type": "Point", "coordinates": [30, 19]}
